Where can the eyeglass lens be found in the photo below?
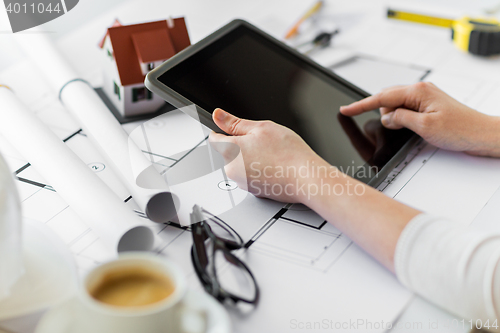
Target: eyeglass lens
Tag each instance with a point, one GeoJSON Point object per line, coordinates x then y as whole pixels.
{"type": "Point", "coordinates": [221, 230]}
{"type": "Point", "coordinates": [233, 277]}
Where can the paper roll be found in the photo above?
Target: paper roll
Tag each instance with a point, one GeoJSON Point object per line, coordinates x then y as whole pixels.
{"type": "Point", "coordinates": [86, 193]}
{"type": "Point", "coordinates": [197, 176]}
{"type": "Point", "coordinates": [124, 157]}
{"type": "Point", "coordinates": [11, 261]}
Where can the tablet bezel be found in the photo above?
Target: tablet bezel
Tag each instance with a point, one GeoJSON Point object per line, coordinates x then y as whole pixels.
{"type": "Point", "coordinates": [153, 83]}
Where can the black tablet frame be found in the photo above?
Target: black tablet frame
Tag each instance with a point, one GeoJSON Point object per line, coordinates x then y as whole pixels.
{"type": "Point", "coordinates": [153, 83]}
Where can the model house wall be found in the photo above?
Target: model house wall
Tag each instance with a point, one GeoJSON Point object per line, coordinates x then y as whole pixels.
{"type": "Point", "coordinates": [111, 79]}
{"type": "Point", "coordinates": [139, 100]}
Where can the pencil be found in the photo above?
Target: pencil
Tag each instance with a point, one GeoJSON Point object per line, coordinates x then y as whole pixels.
{"type": "Point", "coordinates": [295, 29]}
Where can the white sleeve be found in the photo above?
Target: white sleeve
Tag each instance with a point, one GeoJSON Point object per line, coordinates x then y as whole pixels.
{"type": "Point", "coordinates": [454, 267]}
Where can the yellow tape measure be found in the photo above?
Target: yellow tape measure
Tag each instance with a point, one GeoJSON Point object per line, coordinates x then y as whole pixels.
{"type": "Point", "coordinates": [480, 36]}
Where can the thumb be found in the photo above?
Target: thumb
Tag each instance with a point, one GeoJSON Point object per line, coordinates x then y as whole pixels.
{"type": "Point", "coordinates": [402, 118]}
{"type": "Point", "coordinates": [224, 145]}
{"type": "Point", "coordinates": [230, 124]}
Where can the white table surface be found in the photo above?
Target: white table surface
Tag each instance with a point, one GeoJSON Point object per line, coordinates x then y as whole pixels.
{"type": "Point", "coordinates": [420, 315]}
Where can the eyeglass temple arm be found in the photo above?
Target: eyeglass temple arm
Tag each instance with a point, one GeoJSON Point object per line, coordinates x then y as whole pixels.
{"type": "Point", "coordinates": [196, 215]}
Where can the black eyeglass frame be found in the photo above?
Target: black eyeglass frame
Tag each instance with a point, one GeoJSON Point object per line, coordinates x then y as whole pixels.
{"type": "Point", "coordinates": [201, 232]}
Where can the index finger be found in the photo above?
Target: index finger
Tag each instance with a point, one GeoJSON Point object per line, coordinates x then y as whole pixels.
{"type": "Point", "coordinates": [390, 98]}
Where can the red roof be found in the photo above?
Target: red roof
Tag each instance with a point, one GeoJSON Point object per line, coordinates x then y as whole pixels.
{"type": "Point", "coordinates": [116, 23]}
{"type": "Point", "coordinates": [145, 42]}
{"type": "Point", "coordinates": [149, 49]}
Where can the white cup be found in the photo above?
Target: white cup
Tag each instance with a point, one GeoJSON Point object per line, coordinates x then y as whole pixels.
{"type": "Point", "coordinates": [169, 315]}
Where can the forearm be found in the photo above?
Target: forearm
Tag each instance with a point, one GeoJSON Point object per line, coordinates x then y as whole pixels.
{"type": "Point", "coordinates": [453, 267]}
{"type": "Point", "coordinates": [486, 135]}
{"type": "Point", "coordinates": [368, 217]}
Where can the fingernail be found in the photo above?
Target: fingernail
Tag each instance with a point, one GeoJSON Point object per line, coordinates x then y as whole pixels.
{"type": "Point", "coordinates": [220, 115]}
{"type": "Point", "coordinates": [386, 119]}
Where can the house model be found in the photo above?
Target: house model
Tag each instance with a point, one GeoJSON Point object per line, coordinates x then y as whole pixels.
{"type": "Point", "coordinates": [130, 52]}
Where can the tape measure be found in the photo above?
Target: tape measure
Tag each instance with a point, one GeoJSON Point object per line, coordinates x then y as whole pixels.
{"type": "Point", "coordinates": [479, 36]}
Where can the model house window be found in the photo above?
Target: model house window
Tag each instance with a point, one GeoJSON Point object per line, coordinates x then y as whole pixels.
{"type": "Point", "coordinates": [117, 91]}
{"type": "Point", "coordinates": [151, 66]}
{"type": "Point", "coordinates": [140, 94]}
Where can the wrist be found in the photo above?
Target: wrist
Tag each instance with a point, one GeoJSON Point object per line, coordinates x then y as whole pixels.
{"type": "Point", "coordinates": [321, 182]}
{"type": "Point", "coordinates": [309, 176]}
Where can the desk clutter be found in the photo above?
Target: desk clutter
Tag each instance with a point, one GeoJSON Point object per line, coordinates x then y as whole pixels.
{"type": "Point", "coordinates": [39, 281]}
{"type": "Point", "coordinates": [83, 179]}
{"type": "Point", "coordinates": [479, 36]}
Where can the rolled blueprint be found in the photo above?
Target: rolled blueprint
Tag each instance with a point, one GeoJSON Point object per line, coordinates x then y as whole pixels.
{"type": "Point", "coordinates": [84, 191]}
{"type": "Point", "coordinates": [124, 157]}
{"type": "Point", "coordinates": [11, 259]}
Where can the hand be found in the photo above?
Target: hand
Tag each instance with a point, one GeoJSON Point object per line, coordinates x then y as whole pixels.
{"type": "Point", "coordinates": [367, 141]}
{"type": "Point", "coordinates": [272, 156]}
{"type": "Point", "coordinates": [435, 116]}
{"type": "Point", "coordinates": [266, 148]}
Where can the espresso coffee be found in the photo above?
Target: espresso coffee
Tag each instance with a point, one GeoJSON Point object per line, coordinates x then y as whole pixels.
{"type": "Point", "coordinates": [132, 287]}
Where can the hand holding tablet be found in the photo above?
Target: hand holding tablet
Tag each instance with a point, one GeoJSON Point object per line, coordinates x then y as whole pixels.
{"type": "Point", "coordinates": [273, 157]}
{"type": "Point", "coordinates": [250, 74]}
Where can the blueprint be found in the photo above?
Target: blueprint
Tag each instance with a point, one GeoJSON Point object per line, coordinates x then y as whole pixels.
{"type": "Point", "coordinates": [308, 271]}
{"type": "Point", "coordinates": [283, 242]}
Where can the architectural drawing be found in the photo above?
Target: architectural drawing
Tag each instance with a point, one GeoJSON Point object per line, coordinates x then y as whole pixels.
{"type": "Point", "coordinates": [284, 243]}
{"type": "Point", "coordinates": [41, 202]}
{"type": "Point", "coordinates": [356, 68]}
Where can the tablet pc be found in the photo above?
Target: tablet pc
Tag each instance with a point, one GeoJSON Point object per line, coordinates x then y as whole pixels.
{"type": "Point", "coordinates": [250, 74]}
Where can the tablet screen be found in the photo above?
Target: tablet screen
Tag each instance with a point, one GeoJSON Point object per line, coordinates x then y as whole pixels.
{"type": "Point", "coordinates": [255, 78]}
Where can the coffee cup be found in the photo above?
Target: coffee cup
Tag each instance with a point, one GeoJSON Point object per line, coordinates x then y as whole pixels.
{"type": "Point", "coordinates": [138, 292]}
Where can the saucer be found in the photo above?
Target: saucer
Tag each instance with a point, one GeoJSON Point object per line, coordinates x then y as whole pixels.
{"type": "Point", "coordinates": [61, 318]}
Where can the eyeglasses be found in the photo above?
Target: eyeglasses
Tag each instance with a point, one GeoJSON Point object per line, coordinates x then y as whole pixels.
{"type": "Point", "coordinates": [222, 274]}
